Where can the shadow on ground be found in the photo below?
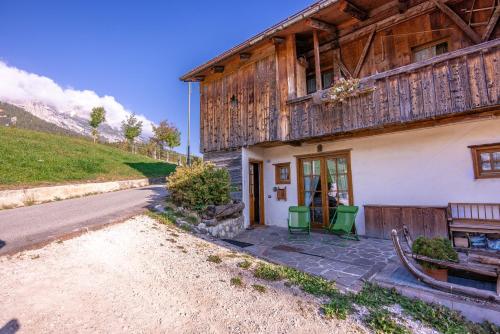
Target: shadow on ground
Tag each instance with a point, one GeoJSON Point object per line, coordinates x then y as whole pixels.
{"type": "Point", "coordinates": [152, 169]}
{"type": "Point", "coordinates": [11, 327]}
{"type": "Point", "coordinates": [159, 193]}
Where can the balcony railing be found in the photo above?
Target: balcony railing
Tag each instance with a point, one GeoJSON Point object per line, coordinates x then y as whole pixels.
{"type": "Point", "coordinates": [466, 80]}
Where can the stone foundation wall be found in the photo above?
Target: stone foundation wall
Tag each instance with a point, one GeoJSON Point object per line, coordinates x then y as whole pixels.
{"type": "Point", "coordinates": [225, 229]}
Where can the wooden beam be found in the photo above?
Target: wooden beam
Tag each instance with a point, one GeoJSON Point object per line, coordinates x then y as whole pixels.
{"type": "Point", "coordinates": [403, 6]}
{"type": "Point", "coordinates": [218, 69]}
{"type": "Point", "coordinates": [199, 78]}
{"type": "Point", "coordinates": [291, 65]}
{"type": "Point", "coordinates": [351, 9]}
{"type": "Point", "coordinates": [362, 58]}
{"type": "Point", "coordinates": [343, 68]}
{"type": "Point", "coordinates": [278, 40]}
{"type": "Point", "coordinates": [245, 55]}
{"type": "Point", "coordinates": [317, 61]}
{"type": "Point", "coordinates": [363, 28]}
{"type": "Point", "coordinates": [491, 24]}
{"type": "Point", "coordinates": [321, 25]}
{"type": "Point", "coordinates": [336, 66]}
{"type": "Point", "coordinates": [457, 20]}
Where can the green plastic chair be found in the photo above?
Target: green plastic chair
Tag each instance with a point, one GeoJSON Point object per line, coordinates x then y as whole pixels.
{"type": "Point", "coordinates": [343, 220]}
{"type": "Point", "coordinates": [299, 219]}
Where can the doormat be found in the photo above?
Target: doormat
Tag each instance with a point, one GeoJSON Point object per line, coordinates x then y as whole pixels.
{"type": "Point", "coordinates": [240, 244]}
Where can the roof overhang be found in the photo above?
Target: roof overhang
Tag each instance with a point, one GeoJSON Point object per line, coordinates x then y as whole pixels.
{"type": "Point", "coordinates": [194, 74]}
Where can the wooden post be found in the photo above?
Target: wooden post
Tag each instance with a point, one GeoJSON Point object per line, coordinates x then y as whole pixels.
{"type": "Point", "coordinates": [291, 60]}
{"type": "Point", "coordinates": [337, 74]}
{"type": "Point", "coordinates": [317, 61]}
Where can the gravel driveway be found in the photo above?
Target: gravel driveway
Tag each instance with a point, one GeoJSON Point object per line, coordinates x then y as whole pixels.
{"type": "Point", "coordinates": [143, 277]}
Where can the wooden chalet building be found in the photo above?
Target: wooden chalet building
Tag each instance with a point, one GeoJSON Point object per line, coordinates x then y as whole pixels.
{"type": "Point", "coordinates": [421, 129]}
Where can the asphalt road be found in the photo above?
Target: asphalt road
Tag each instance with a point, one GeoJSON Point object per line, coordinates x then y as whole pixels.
{"type": "Point", "coordinates": [26, 227]}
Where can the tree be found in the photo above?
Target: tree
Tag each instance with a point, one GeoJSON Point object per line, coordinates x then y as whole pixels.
{"type": "Point", "coordinates": [132, 128]}
{"type": "Point", "coordinates": [97, 117]}
{"type": "Point", "coordinates": [167, 134]}
{"type": "Point", "coordinates": [152, 147]}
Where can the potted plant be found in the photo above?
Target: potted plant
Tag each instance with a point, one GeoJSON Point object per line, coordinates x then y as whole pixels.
{"type": "Point", "coordinates": [437, 249]}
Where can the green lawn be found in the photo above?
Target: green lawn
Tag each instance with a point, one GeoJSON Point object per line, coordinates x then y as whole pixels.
{"type": "Point", "coordinates": [29, 158]}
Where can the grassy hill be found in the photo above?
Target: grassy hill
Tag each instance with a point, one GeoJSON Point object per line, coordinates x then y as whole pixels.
{"type": "Point", "coordinates": [30, 158]}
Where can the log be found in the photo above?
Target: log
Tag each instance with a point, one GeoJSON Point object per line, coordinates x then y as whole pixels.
{"type": "Point", "coordinates": [321, 25]}
{"type": "Point", "coordinates": [444, 286]}
{"type": "Point", "coordinates": [223, 211]}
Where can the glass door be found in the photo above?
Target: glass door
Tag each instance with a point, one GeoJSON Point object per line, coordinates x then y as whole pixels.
{"type": "Point", "coordinates": [312, 186]}
{"type": "Point", "coordinates": [325, 183]}
{"type": "Point", "coordinates": [337, 183]}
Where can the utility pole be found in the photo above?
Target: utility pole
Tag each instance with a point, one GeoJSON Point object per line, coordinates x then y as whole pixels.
{"type": "Point", "coordinates": [189, 126]}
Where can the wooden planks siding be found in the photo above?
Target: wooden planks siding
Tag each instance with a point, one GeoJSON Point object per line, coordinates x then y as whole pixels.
{"type": "Point", "coordinates": [421, 221]}
{"type": "Point", "coordinates": [231, 160]}
{"type": "Point", "coordinates": [458, 82]}
{"type": "Point", "coordinates": [249, 106]}
{"type": "Point", "coordinates": [240, 108]}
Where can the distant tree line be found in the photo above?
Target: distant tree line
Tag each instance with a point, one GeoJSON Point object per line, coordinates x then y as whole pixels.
{"type": "Point", "coordinates": [166, 137]}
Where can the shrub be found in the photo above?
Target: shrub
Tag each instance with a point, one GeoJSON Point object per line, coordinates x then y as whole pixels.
{"type": "Point", "coordinates": [339, 307]}
{"type": "Point", "coordinates": [259, 288]}
{"type": "Point", "coordinates": [237, 281]}
{"type": "Point", "coordinates": [381, 321]}
{"type": "Point", "coordinates": [214, 259]}
{"type": "Point", "coordinates": [244, 264]}
{"type": "Point", "coordinates": [268, 272]}
{"type": "Point", "coordinates": [436, 248]}
{"type": "Point", "coordinates": [199, 185]}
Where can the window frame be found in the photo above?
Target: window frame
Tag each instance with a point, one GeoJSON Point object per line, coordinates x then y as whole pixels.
{"type": "Point", "coordinates": [277, 174]}
{"type": "Point", "coordinates": [476, 151]}
{"type": "Point", "coordinates": [428, 45]}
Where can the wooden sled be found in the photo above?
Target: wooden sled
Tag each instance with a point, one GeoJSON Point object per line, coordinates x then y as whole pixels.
{"type": "Point", "coordinates": [490, 270]}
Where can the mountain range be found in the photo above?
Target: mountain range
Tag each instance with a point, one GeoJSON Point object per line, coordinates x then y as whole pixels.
{"type": "Point", "coordinates": [42, 117]}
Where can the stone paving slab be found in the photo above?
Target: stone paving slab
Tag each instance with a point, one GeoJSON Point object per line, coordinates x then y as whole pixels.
{"type": "Point", "coordinates": [347, 262]}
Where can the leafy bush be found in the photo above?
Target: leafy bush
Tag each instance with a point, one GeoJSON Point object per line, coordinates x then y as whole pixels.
{"type": "Point", "coordinates": [339, 307]}
{"type": "Point", "coordinates": [214, 259]}
{"type": "Point", "coordinates": [199, 185]}
{"type": "Point", "coordinates": [381, 321]}
{"type": "Point", "coordinates": [237, 281]}
{"type": "Point", "coordinates": [259, 288]}
{"type": "Point", "coordinates": [268, 272]}
{"type": "Point", "coordinates": [244, 264]}
{"type": "Point", "coordinates": [437, 248]}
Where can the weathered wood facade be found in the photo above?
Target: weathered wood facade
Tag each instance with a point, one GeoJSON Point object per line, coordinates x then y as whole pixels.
{"type": "Point", "coordinates": [259, 93]}
{"type": "Point", "coordinates": [460, 82]}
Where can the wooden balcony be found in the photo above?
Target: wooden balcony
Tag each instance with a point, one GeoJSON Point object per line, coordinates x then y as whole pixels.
{"type": "Point", "coordinates": [466, 81]}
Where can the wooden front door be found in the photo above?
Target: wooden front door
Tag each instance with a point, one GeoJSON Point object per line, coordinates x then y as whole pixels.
{"type": "Point", "coordinates": [324, 183]}
{"type": "Point", "coordinates": [256, 195]}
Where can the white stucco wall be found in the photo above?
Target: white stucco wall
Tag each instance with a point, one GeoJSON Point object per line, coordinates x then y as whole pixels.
{"type": "Point", "coordinates": [430, 166]}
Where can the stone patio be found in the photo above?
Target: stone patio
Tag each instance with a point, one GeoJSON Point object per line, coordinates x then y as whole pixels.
{"type": "Point", "coordinates": [349, 263]}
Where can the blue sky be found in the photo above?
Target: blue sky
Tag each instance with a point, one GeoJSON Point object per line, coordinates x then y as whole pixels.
{"type": "Point", "coordinates": [132, 50]}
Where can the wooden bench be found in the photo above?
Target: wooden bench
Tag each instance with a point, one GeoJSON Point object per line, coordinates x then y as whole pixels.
{"type": "Point", "coordinates": [472, 218]}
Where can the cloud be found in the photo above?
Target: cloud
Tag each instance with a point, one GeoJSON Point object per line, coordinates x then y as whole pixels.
{"type": "Point", "coordinates": [18, 86]}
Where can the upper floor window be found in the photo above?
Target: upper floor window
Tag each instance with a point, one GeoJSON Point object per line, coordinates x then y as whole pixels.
{"type": "Point", "coordinates": [326, 79]}
{"type": "Point", "coordinates": [486, 161]}
{"type": "Point", "coordinates": [429, 50]}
